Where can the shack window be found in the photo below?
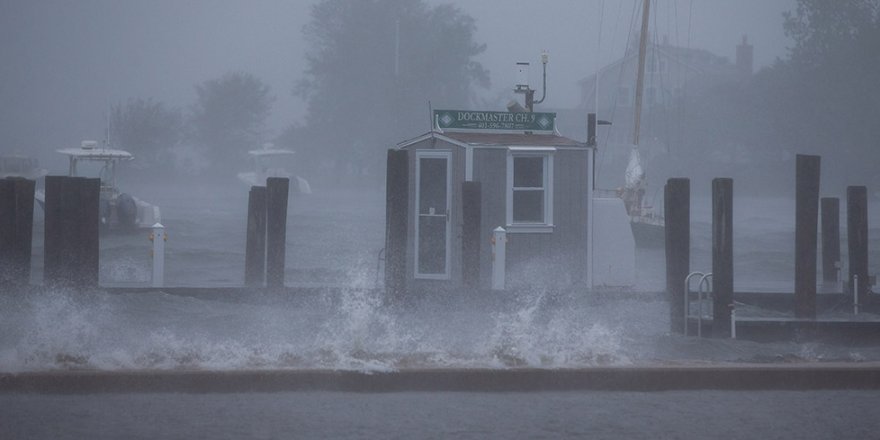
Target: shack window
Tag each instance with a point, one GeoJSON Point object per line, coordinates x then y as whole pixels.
{"type": "Point", "coordinates": [529, 190]}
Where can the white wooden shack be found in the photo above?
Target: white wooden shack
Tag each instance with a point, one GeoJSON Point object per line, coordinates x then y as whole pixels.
{"type": "Point", "coordinates": [533, 182]}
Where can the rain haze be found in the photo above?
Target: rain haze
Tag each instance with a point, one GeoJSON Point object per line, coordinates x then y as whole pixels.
{"type": "Point", "coordinates": [65, 63]}
{"type": "Point", "coordinates": [357, 198]}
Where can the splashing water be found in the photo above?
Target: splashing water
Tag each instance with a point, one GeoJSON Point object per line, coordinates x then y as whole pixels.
{"type": "Point", "coordinates": [351, 330]}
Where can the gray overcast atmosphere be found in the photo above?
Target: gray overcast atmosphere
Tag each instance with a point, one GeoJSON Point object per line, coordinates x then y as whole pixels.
{"type": "Point", "coordinates": [65, 62]}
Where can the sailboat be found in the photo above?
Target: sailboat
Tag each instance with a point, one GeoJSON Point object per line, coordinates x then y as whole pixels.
{"type": "Point", "coordinates": [648, 228]}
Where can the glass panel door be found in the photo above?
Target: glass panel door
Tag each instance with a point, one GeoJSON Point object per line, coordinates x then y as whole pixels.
{"type": "Point", "coordinates": [432, 208]}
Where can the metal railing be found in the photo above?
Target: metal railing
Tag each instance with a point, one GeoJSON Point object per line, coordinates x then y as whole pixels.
{"type": "Point", "coordinates": [687, 304]}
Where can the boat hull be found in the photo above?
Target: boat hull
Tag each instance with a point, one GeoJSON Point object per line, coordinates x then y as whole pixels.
{"type": "Point", "coordinates": [648, 233]}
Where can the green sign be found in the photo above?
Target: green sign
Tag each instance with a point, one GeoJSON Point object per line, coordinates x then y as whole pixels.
{"type": "Point", "coordinates": [476, 120]}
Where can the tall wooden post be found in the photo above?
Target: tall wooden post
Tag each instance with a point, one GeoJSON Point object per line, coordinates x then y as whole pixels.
{"type": "Point", "coordinates": [677, 210]}
{"type": "Point", "coordinates": [88, 232]}
{"type": "Point", "coordinates": [16, 231]}
{"type": "Point", "coordinates": [396, 221]}
{"type": "Point", "coordinates": [830, 239]}
{"type": "Point", "coordinates": [71, 243]}
{"type": "Point", "coordinates": [806, 226]}
{"type": "Point", "coordinates": [722, 255]}
{"type": "Point", "coordinates": [857, 238]}
{"type": "Point", "coordinates": [470, 234]}
{"type": "Point", "coordinates": [54, 244]}
{"type": "Point", "coordinates": [276, 229]}
{"type": "Point", "coordinates": [255, 248]}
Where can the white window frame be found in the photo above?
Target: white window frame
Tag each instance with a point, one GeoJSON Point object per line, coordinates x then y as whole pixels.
{"type": "Point", "coordinates": [547, 153]}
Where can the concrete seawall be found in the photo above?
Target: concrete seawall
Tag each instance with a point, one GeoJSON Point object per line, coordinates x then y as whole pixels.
{"type": "Point", "coordinates": [807, 376]}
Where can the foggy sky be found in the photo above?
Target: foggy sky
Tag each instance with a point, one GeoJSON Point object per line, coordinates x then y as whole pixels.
{"type": "Point", "coordinates": [65, 62]}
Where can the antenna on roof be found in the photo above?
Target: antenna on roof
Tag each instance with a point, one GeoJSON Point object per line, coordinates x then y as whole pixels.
{"type": "Point", "coordinates": [522, 82]}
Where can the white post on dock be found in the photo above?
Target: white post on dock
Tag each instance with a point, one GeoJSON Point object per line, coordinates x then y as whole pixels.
{"type": "Point", "coordinates": [855, 294]}
{"type": "Point", "coordinates": [499, 251]}
{"type": "Point", "coordinates": [733, 321]}
{"type": "Point", "coordinates": [158, 237]}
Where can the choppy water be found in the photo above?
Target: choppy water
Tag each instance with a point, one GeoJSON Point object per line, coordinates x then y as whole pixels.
{"type": "Point", "coordinates": [333, 238]}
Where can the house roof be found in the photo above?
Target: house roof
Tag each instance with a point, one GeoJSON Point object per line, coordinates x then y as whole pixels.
{"type": "Point", "coordinates": [497, 139]}
{"type": "Point", "coordinates": [696, 60]}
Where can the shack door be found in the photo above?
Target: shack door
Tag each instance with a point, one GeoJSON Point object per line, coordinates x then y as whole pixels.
{"type": "Point", "coordinates": [433, 200]}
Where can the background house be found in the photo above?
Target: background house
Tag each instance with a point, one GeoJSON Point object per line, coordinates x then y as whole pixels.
{"type": "Point", "coordinates": [674, 77]}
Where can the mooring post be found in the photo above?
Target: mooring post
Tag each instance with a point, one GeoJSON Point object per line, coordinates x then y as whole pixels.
{"type": "Point", "coordinates": [857, 240]}
{"type": "Point", "coordinates": [158, 237]}
{"type": "Point", "coordinates": [806, 228]}
{"type": "Point", "coordinates": [71, 237]}
{"type": "Point", "coordinates": [89, 227]}
{"type": "Point", "coordinates": [499, 258]}
{"type": "Point", "coordinates": [276, 229]}
{"type": "Point", "coordinates": [8, 276]}
{"type": "Point", "coordinates": [722, 255]}
{"type": "Point", "coordinates": [54, 245]}
{"type": "Point", "coordinates": [830, 239]}
{"type": "Point", "coordinates": [470, 234]}
{"type": "Point", "coordinates": [255, 247]}
{"type": "Point", "coordinates": [396, 222]}
{"type": "Point", "coordinates": [677, 210]}
{"type": "Point", "coordinates": [16, 231]}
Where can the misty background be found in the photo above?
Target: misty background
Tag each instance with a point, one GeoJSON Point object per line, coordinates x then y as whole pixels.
{"type": "Point", "coordinates": [189, 87]}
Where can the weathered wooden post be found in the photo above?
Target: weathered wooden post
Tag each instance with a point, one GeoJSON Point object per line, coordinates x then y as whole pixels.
{"type": "Point", "coordinates": [255, 247]}
{"type": "Point", "coordinates": [396, 221]}
{"type": "Point", "coordinates": [857, 239]}
{"type": "Point", "coordinates": [89, 228]}
{"type": "Point", "coordinates": [16, 231]}
{"type": "Point", "coordinates": [677, 210]}
{"type": "Point", "coordinates": [830, 239]}
{"type": "Point", "coordinates": [72, 225]}
{"type": "Point", "coordinates": [722, 255]}
{"type": "Point", "coordinates": [54, 245]}
{"type": "Point", "coordinates": [470, 234]}
{"type": "Point", "coordinates": [276, 229]}
{"type": "Point", "coordinates": [806, 228]}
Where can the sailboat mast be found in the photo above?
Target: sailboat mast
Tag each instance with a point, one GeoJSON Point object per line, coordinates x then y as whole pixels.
{"type": "Point", "coordinates": [643, 39]}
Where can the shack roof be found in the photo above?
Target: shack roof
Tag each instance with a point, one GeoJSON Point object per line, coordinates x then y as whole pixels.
{"type": "Point", "coordinates": [473, 139]}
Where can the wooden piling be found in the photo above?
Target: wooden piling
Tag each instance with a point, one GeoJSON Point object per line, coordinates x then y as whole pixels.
{"type": "Point", "coordinates": [16, 231]}
{"type": "Point", "coordinates": [87, 269]}
{"type": "Point", "coordinates": [71, 236]}
{"type": "Point", "coordinates": [7, 233]}
{"type": "Point", "coordinates": [722, 255]}
{"type": "Point", "coordinates": [857, 238]}
{"type": "Point", "coordinates": [255, 249]}
{"type": "Point", "coordinates": [396, 222]}
{"type": "Point", "coordinates": [53, 225]}
{"type": "Point", "coordinates": [61, 218]}
{"type": "Point", "coordinates": [470, 234]}
{"type": "Point", "coordinates": [677, 210]}
{"type": "Point", "coordinates": [830, 239]}
{"type": "Point", "coordinates": [276, 229]}
{"type": "Point", "coordinates": [806, 226]}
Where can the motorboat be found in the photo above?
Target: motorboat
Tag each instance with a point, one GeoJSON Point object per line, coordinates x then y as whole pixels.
{"type": "Point", "coordinates": [118, 210]}
{"type": "Point", "coordinates": [270, 161]}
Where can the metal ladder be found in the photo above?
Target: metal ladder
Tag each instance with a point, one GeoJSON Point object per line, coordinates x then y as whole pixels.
{"type": "Point", "coordinates": [704, 277]}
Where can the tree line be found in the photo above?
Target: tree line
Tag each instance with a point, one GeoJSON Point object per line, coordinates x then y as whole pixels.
{"type": "Point", "coordinates": [372, 68]}
{"type": "Point", "coordinates": [821, 98]}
